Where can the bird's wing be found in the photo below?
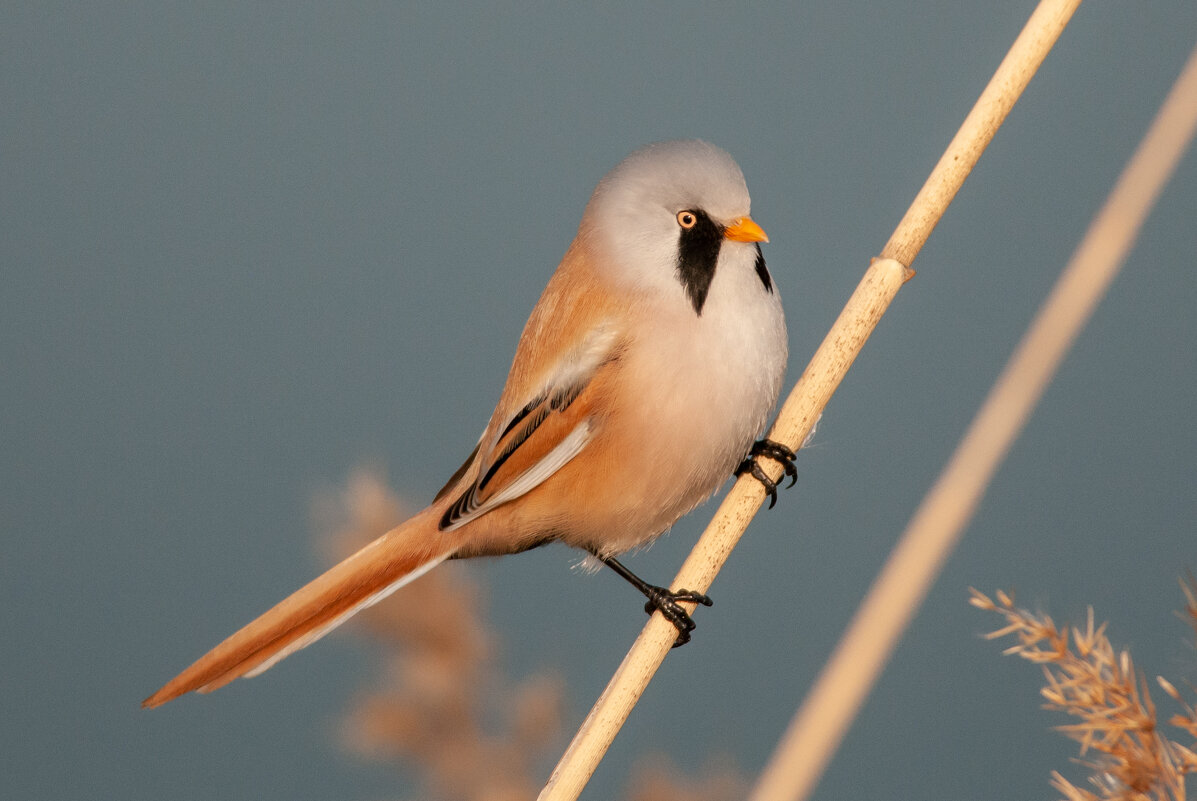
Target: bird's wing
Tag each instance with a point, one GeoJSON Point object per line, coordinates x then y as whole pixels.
{"type": "Point", "coordinates": [555, 397]}
{"type": "Point", "coordinates": [549, 429]}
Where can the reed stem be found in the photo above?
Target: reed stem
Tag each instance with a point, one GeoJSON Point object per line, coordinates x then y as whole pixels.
{"type": "Point", "coordinates": [812, 392]}
{"type": "Point", "coordinates": [899, 589]}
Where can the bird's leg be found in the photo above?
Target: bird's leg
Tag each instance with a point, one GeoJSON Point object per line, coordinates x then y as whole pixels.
{"type": "Point", "coordinates": [661, 599]}
{"type": "Point", "coordinates": [775, 451]}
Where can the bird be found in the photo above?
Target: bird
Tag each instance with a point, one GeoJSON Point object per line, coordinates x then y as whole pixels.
{"type": "Point", "coordinates": [642, 380]}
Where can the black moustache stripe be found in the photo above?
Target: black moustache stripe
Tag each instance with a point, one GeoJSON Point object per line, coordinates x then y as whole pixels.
{"type": "Point", "coordinates": [762, 272]}
{"type": "Point", "coordinates": [697, 255]}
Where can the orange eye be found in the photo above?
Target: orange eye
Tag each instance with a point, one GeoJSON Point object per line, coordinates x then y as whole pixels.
{"type": "Point", "coordinates": [687, 219]}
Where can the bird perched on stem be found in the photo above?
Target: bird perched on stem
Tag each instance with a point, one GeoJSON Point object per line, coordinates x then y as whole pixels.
{"type": "Point", "coordinates": [641, 381]}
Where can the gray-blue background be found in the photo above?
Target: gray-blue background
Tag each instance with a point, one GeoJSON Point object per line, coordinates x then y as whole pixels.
{"type": "Point", "coordinates": [245, 247]}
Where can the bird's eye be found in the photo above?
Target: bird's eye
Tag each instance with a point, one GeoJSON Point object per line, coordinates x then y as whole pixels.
{"type": "Point", "coordinates": [687, 219]}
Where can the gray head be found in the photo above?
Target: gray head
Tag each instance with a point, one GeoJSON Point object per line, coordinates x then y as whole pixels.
{"type": "Point", "coordinates": [637, 218]}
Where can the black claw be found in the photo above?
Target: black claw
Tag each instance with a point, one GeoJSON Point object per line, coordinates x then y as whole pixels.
{"type": "Point", "coordinates": [778, 453]}
{"type": "Point", "coordinates": [662, 600]}
{"type": "Point", "coordinates": [666, 602]}
{"type": "Point", "coordinates": [751, 467]}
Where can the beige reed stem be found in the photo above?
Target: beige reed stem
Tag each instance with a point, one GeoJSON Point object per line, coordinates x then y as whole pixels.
{"type": "Point", "coordinates": [839, 691]}
{"type": "Point", "coordinates": [809, 396]}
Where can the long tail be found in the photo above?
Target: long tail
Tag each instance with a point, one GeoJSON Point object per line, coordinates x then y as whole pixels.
{"type": "Point", "coordinates": [401, 555]}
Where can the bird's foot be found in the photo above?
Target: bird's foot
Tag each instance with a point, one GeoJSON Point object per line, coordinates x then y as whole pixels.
{"type": "Point", "coordinates": [666, 602]}
{"type": "Point", "coordinates": [778, 453]}
{"type": "Point", "coordinates": [661, 599]}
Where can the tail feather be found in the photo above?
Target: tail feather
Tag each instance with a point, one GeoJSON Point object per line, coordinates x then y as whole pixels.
{"type": "Point", "coordinates": [394, 559]}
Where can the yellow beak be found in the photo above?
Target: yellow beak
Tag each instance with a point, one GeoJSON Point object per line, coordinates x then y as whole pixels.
{"type": "Point", "coordinates": [745, 230]}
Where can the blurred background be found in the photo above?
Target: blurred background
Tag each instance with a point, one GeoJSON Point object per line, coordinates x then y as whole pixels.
{"type": "Point", "coordinates": [247, 248]}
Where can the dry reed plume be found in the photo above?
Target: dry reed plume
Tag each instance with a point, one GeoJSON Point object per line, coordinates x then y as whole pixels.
{"type": "Point", "coordinates": [1130, 757]}
{"type": "Point", "coordinates": [443, 707]}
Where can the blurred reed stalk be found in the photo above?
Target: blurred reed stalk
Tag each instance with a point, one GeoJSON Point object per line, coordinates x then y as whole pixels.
{"type": "Point", "coordinates": [443, 708]}
{"type": "Point", "coordinates": [1128, 752]}
{"type": "Point", "coordinates": [840, 690]}
{"type": "Point", "coordinates": [814, 389]}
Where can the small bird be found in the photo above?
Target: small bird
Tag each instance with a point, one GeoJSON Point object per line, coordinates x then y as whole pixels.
{"type": "Point", "coordinates": [642, 380]}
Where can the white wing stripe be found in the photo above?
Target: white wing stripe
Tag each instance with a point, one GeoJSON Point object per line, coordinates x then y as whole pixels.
{"type": "Point", "coordinates": [534, 476]}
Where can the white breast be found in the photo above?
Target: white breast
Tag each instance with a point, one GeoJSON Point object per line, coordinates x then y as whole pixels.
{"type": "Point", "coordinates": [707, 384]}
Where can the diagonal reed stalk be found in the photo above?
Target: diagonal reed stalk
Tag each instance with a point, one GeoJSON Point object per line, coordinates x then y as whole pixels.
{"type": "Point", "coordinates": [936, 526]}
{"type": "Point", "coordinates": [814, 389]}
